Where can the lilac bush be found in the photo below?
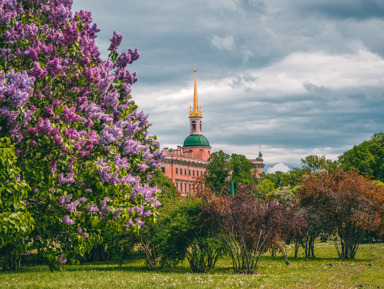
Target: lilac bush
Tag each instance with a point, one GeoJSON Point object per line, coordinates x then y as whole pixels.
{"type": "Point", "coordinates": [80, 141]}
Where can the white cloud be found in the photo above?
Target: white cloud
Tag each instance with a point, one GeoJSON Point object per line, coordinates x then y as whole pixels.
{"type": "Point", "coordinates": [287, 76]}
{"type": "Point", "coordinates": [223, 43]}
{"type": "Point", "coordinates": [281, 167]}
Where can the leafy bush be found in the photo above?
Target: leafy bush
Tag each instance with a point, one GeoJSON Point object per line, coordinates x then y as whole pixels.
{"type": "Point", "coordinates": [247, 226]}
{"type": "Point", "coordinates": [15, 221]}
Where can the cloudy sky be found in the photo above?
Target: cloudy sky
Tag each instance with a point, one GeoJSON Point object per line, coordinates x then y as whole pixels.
{"type": "Point", "coordinates": [298, 77]}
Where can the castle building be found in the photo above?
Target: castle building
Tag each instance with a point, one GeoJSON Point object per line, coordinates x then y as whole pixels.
{"type": "Point", "coordinates": [188, 162]}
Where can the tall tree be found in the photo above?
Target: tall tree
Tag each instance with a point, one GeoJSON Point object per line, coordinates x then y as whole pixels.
{"type": "Point", "coordinates": [217, 171]}
{"type": "Point", "coordinates": [81, 143]}
{"type": "Point", "coordinates": [367, 157]}
{"type": "Point", "coordinates": [242, 170]}
{"type": "Point", "coordinates": [315, 162]}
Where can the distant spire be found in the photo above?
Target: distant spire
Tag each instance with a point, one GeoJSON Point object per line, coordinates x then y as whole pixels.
{"type": "Point", "coordinates": [260, 157]}
{"type": "Point", "coordinates": [195, 111]}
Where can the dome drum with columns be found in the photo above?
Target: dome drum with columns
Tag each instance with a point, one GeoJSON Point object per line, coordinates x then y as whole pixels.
{"type": "Point", "coordinates": [188, 162]}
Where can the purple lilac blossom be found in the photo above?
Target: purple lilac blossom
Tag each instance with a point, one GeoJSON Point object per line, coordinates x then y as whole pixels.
{"type": "Point", "coordinates": [67, 221]}
{"type": "Point", "coordinates": [68, 198]}
{"type": "Point", "coordinates": [68, 180]}
{"type": "Point", "coordinates": [61, 260]}
{"type": "Point", "coordinates": [92, 209]}
{"type": "Point", "coordinates": [33, 144]}
{"type": "Point", "coordinates": [139, 222]}
{"type": "Point", "coordinates": [140, 210]}
{"type": "Point", "coordinates": [72, 206]}
{"type": "Point", "coordinates": [54, 66]}
{"type": "Point", "coordinates": [147, 214]}
{"type": "Point", "coordinates": [128, 223]}
{"type": "Point", "coordinates": [115, 41]}
{"type": "Point", "coordinates": [117, 214]}
{"type": "Point", "coordinates": [104, 201]}
{"type": "Point", "coordinates": [52, 166]}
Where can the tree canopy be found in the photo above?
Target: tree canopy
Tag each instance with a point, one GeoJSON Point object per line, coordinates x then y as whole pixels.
{"type": "Point", "coordinates": [224, 169]}
{"type": "Point", "coordinates": [217, 171]}
{"type": "Point", "coordinates": [351, 203]}
{"type": "Point", "coordinates": [80, 142]}
{"type": "Point", "coordinates": [367, 157]}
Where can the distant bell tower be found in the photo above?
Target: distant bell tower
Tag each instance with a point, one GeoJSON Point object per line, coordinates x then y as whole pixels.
{"type": "Point", "coordinates": [195, 116]}
{"type": "Point", "coordinates": [196, 143]}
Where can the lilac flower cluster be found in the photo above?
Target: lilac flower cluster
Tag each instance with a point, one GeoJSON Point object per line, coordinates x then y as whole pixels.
{"type": "Point", "coordinates": [61, 260]}
{"type": "Point", "coordinates": [65, 180]}
{"type": "Point", "coordinates": [71, 207]}
{"type": "Point", "coordinates": [16, 88]}
{"type": "Point", "coordinates": [115, 41]}
{"type": "Point", "coordinates": [67, 221]}
{"type": "Point", "coordinates": [92, 209]}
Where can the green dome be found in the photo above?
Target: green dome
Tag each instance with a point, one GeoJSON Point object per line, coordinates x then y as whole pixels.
{"type": "Point", "coordinates": [196, 140]}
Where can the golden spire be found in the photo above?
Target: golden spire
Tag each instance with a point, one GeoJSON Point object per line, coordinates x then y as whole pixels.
{"type": "Point", "coordinates": [195, 112]}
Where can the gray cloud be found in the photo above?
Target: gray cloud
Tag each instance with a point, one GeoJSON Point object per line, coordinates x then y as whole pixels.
{"type": "Point", "coordinates": [299, 76]}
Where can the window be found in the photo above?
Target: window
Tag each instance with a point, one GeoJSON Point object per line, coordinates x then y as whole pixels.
{"type": "Point", "coordinates": [193, 172]}
{"type": "Point", "coordinates": [186, 187]}
{"type": "Point", "coordinates": [177, 186]}
{"type": "Point", "coordinates": [163, 170]}
{"type": "Point", "coordinates": [177, 171]}
{"type": "Point", "coordinates": [181, 171]}
{"type": "Point", "coordinates": [185, 171]}
{"type": "Point", "coordinates": [189, 172]}
{"type": "Point", "coordinates": [189, 188]}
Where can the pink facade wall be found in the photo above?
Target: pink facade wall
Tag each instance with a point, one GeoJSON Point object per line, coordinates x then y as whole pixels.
{"type": "Point", "coordinates": [184, 169]}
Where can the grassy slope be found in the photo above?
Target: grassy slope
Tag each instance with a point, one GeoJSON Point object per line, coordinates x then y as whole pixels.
{"type": "Point", "coordinates": [272, 273]}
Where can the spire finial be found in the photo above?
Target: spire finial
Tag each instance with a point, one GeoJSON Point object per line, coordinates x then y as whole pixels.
{"type": "Point", "coordinates": [195, 109]}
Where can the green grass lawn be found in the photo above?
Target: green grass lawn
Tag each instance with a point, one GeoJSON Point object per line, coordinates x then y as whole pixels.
{"type": "Point", "coordinates": [272, 273]}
